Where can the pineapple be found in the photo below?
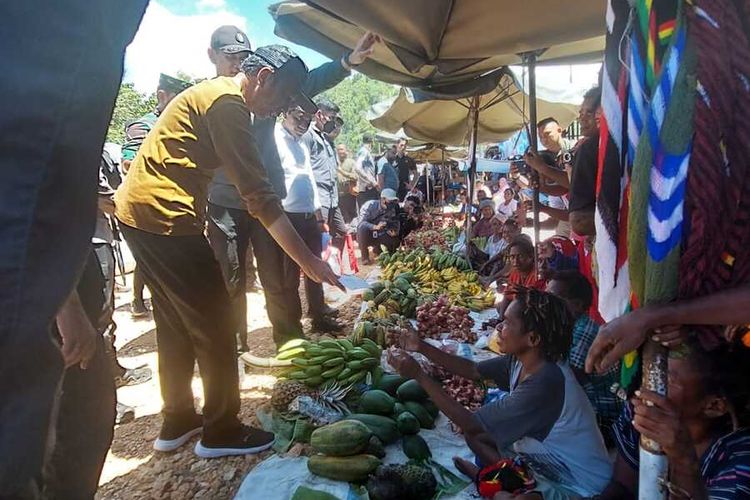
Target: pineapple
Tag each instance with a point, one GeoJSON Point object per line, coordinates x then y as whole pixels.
{"type": "Point", "coordinates": [330, 397]}
{"type": "Point", "coordinates": [286, 391]}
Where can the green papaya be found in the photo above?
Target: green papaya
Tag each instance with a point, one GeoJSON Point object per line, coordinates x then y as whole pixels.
{"type": "Point", "coordinates": [390, 383]}
{"type": "Point", "coordinates": [376, 402]}
{"type": "Point", "coordinates": [424, 417]}
{"type": "Point", "coordinates": [384, 428]}
{"type": "Point", "coordinates": [411, 391]}
{"type": "Point", "coordinates": [407, 423]}
{"type": "Point", "coordinates": [416, 448]}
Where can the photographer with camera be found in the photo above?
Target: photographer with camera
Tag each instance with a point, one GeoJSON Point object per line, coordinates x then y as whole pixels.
{"type": "Point", "coordinates": [550, 136]}
{"type": "Point", "coordinates": [378, 225]}
{"type": "Point", "coordinates": [410, 216]}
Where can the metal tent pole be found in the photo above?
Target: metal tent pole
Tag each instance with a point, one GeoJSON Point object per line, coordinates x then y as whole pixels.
{"type": "Point", "coordinates": [442, 177]}
{"type": "Point", "coordinates": [653, 463]}
{"type": "Point", "coordinates": [531, 62]}
{"type": "Point", "coordinates": [474, 117]}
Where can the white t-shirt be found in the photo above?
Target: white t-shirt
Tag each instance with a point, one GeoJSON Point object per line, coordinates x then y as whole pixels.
{"type": "Point", "coordinates": [301, 188]}
{"type": "Point", "coordinates": [563, 226]}
{"type": "Point", "coordinates": [507, 211]}
{"type": "Point", "coordinates": [495, 246]}
{"type": "Point", "coordinates": [548, 421]}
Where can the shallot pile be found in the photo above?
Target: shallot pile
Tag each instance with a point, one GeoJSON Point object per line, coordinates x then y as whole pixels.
{"type": "Point", "coordinates": [424, 239]}
{"type": "Point", "coordinates": [438, 317]}
{"type": "Point", "coordinates": [465, 391]}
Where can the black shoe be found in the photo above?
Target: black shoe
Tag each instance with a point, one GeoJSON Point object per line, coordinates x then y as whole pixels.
{"type": "Point", "coordinates": [125, 414]}
{"type": "Point", "coordinates": [175, 434]}
{"type": "Point", "coordinates": [139, 309]}
{"type": "Point", "coordinates": [249, 441]}
{"type": "Point", "coordinates": [330, 311]}
{"type": "Point", "coordinates": [326, 324]}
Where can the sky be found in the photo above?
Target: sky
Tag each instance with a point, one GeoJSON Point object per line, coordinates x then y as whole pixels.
{"type": "Point", "coordinates": [175, 34]}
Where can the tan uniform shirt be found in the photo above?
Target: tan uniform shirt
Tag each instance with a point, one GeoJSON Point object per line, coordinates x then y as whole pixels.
{"type": "Point", "coordinates": [205, 127]}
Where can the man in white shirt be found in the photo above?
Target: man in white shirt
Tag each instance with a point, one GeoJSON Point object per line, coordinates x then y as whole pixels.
{"type": "Point", "coordinates": [303, 208]}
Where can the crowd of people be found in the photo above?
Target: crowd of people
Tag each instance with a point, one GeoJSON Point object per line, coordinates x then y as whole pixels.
{"type": "Point", "coordinates": [213, 188]}
{"type": "Point", "coordinates": [563, 404]}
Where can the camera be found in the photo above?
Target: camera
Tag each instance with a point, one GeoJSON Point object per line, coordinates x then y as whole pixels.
{"type": "Point", "coordinates": [521, 167]}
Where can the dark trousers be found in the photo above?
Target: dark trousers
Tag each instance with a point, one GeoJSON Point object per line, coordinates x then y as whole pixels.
{"type": "Point", "coordinates": [62, 68]}
{"type": "Point", "coordinates": [193, 322]}
{"type": "Point", "coordinates": [367, 195]}
{"type": "Point", "coordinates": [229, 235]}
{"type": "Point", "coordinates": [348, 206]}
{"type": "Point", "coordinates": [105, 257]}
{"type": "Point", "coordinates": [137, 286]}
{"type": "Point", "coordinates": [366, 239]}
{"type": "Point", "coordinates": [85, 415]}
{"type": "Point", "coordinates": [84, 430]}
{"type": "Point", "coordinates": [271, 257]}
{"type": "Point", "coordinates": [336, 225]}
{"type": "Point", "coordinates": [402, 190]}
{"type": "Point", "coordinates": [306, 226]}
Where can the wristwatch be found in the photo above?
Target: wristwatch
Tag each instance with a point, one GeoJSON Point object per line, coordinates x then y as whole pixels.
{"type": "Point", "coordinates": [345, 61]}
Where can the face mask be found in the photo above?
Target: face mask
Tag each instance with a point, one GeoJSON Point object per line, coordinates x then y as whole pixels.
{"type": "Point", "coordinates": [329, 127]}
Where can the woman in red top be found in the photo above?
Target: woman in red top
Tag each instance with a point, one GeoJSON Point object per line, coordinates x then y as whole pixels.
{"type": "Point", "coordinates": [522, 272]}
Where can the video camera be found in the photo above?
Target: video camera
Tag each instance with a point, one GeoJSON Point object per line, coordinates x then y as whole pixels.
{"type": "Point", "coordinates": [524, 169]}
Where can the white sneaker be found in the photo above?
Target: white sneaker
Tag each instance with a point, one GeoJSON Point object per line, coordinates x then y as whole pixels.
{"type": "Point", "coordinates": [250, 441]}
{"type": "Point", "coordinates": [171, 438]}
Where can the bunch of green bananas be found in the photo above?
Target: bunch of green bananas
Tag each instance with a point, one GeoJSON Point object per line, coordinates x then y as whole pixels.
{"type": "Point", "coordinates": [444, 260]}
{"type": "Point", "coordinates": [392, 297]}
{"type": "Point", "coordinates": [328, 360]}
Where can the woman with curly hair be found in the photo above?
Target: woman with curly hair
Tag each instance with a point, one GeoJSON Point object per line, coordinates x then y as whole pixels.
{"type": "Point", "coordinates": [545, 419]}
{"type": "Point", "coordinates": [703, 426]}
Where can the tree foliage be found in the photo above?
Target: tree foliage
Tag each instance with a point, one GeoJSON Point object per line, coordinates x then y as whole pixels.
{"type": "Point", "coordinates": [130, 105]}
{"type": "Point", "coordinates": [354, 96]}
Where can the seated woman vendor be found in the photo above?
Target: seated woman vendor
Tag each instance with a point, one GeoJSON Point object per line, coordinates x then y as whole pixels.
{"type": "Point", "coordinates": [482, 228]}
{"type": "Point", "coordinates": [546, 419]}
{"type": "Point", "coordinates": [522, 271]}
{"type": "Point", "coordinates": [702, 426]}
{"type": "Point", "coordinates": [497, 265]}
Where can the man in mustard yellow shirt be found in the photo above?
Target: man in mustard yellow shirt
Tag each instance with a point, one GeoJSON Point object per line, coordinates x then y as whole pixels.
{"type": "Point", "coordinates": [162, 210]}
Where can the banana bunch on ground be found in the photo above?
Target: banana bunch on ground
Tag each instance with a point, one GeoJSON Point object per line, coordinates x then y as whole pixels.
{"type": "Point", "coordinates": [397, 296]}
{"type": "Point", "coordinates": [444, 260]}
{"type": "Point", "coordinates": [327, 360]}
{"type": "Point", "coordinates": [378, 329]}
{"type": "Point", "coordinates": [404, 262]}
{"type": "Point", "coordinates": [434, 273]}
{"type": "Point", "coordinates": [480, 302]}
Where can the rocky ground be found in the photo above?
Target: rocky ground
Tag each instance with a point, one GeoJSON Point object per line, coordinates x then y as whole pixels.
{"type": "Point", "coordinates": [133, 470]}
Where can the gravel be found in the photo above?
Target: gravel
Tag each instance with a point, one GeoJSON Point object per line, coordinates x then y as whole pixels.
{"type": "Point", "coordinates": [133, 470]}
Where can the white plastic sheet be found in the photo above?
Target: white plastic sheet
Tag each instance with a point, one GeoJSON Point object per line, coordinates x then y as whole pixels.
{"type": "Point", "coordinates": [277, 478]}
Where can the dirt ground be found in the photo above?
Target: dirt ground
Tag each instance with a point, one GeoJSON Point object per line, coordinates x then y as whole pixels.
{"type": "Point", "coordinates": [133, 470]}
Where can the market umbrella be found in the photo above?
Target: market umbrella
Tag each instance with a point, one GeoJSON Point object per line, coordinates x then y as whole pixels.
{"type": "Point", "coordinates": [503, 111]}
{"type": "Point", "coordinates": [446, 41]}
{"type": "Point", "coordinates": [436, 153]}
{"type": "Point", "coordinates": [446, 47]}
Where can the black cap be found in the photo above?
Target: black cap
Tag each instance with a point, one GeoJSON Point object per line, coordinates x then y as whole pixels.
{"type": "Point", "coordinates": [230, 40]}
{"type": "Point", "coordinates": [281, 57]}
{"type": "Point", "coordinates": [172, 84]}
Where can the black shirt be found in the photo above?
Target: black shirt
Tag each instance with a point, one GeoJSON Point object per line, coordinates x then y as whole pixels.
{"type": "Point", "coordinates": [404, 166]}
{"type": "Point", "coordinates": [582, 195]}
